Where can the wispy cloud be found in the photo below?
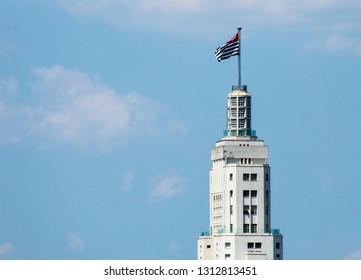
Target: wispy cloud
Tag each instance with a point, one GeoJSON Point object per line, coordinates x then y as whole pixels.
{"type": "Point", "coordinates": [5, 250]}
{"type": "Point", "coordinates": [167, 186]}
{"type": "Point", "coordinates": [70, 106]}
{"type": "Point", "coordinates": [126, 181]}
{"type": "Point", "coordinates": [75, 243]}
{"type": "Point", "coordinates": [123, 12]}
{"type": "Point", "coordinates": [356, 255]}
{"type": "Point", "coordinates": [336, 43]}
{"type": "Point", "coordinates": [195, 17]}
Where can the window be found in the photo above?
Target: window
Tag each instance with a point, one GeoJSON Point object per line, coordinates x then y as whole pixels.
{"type": "Point", "coordinates": [227, 245]}
{"type": "Point", "coordinates": [253, 193]}
{"type": "Point", "coordinates": [246, 228]}
{"type": "Point", "coordinates": [258, 245]}
{"type": "Point", "coordinates": [246, 209]}
{"type": "Point", "coordinates": [241, 112]}
{"type": "Point", "coordinates": [254, 209]}
{"type": "Point", "coordinates": [266, 194]}
{"type": "Point", "coordinates": [267, 177]}
{"type": "Point", "coordinates": [231, 176]}
{"type": "Point", "coordinates": [231, 228]}
{"type": "Point", "coordinates": [254, 228]}
{"type": "Point", "coordinates": [253, 177]}
{"type": "Point", "coordinates": [278, 256]}
{"type": "Point", "coordinates": [241, 123]}
{"type": "Point", "coordinates": [250, 245]}
{"type": "Point", "coordinates": [245, 177]}
{"type": "Point", "coordinates": [227, 256]}
{"type": "Point", "coordinates": [231, 209]}
{"type": "Point", "coordinates": [278, 245]}
{"type": "Point", "coordinates": [233, 112]}
{"type": "Point", "coordinates": [230, 193]}
{"type": "Point", "coordinates": [208, 246]}
{"type": "Point", "coordinates": [246, 193]}
{"type": "Point", "coordinates": [241, 101]}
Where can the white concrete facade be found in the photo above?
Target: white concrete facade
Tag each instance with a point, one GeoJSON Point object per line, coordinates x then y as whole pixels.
{"type": "Point", "coordinates": [240, 192]}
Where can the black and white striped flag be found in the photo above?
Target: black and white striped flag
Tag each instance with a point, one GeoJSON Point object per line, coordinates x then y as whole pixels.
{"type": "Point", "coordinates": [228, 49]}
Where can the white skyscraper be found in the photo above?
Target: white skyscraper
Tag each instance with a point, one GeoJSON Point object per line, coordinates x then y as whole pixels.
{"type": "Point", "coordinates": [240, 192]}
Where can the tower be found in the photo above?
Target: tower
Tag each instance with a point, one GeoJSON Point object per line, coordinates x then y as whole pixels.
{"type": "Point", "coordinates": [240, 191]}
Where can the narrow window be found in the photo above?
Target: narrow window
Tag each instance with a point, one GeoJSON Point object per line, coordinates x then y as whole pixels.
{"type": "Point", "coordinates": [245, 177]}
{"type": "Point", "coordinates": [258, 245]}
{"type": "Point", "coordinates": [253, 193]}
{"type": "Point", "coordinates": [231, 176]}
{"type": "Point", "coordinates": [227, 256]}
{"type": "Point", "coordinates": [246, 193]}
{"type": "Point", "coordinates": [231, 209]}
{"type": "Point", "coordinates": [278, 245]}
{"type": "Point", "coordinates": [246, 228]}
{"type": "Point", "coordinates": [230, 193]}
{"type": "Point", "coordinates": [267, 177]}
{"type": "Point", "coordinates": [254, 209]}
{"type": "Point", "coordinates": [227, 245]}
{"type": "Point", "coordinates": [246, 209]}
{"type": "Point", "coordinates": [254, 228]}
{"type": "Point", "coordinates": [253, 177]}
{"type": "Point", "coordinates": [208, 246]}
{"type": "Point", "coordinates": [250, 245]}
{"type": "Point", "coordinates": [231, 228]}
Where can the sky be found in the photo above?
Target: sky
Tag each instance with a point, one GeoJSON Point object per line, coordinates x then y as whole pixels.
{"type": "Point", "coordinates": [109, 110]}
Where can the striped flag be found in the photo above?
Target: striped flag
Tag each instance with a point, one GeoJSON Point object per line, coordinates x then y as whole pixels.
{"type": "Point", "coordinates": [228, 49]}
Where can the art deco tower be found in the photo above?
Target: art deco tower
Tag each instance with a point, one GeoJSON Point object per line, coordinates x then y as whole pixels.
{"type": "Point", "coordinates": [240, 192]}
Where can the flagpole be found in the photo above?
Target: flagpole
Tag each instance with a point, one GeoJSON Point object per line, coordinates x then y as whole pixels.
{"type": "Point", "coordinates": [239, 58]}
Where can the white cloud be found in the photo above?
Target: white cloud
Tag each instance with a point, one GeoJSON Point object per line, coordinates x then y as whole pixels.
{"type": "Point", "coordinates": [168, 186]}
{"type": "Point", "coordinates": [8, 87]}
{"type": "Point", "coordinates": [356, 255]}
{"type": "Point", "coordinates": [70, 106]}
{"type": "Point", "coordinates": [336, 43]}
{"type": "Point", "coordinates": [75, 243]}
{"type": "Point", "coordinates": [195, 17]}
{"type": "Point", "coordinates": [173, 247]}
{"type": "Point", "coordinates": [6, 249]}
{"type": "Point", "coordinates": [155, 13]}
{"type": "Point", "coordinates": [126, 181]}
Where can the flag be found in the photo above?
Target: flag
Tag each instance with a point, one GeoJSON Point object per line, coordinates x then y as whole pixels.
{"type": "Point", "coordinates": [228, 49]}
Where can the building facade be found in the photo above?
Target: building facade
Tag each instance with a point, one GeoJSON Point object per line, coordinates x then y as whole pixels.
{"type": "Point", "coordinates": [240, 192]}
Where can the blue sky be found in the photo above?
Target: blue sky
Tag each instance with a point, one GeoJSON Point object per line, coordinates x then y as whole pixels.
{"type": "Point", "coordinates": [109, 110]}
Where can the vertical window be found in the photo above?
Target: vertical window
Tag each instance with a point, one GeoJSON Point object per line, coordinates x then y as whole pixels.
{"type": "Point", "coordinates": [254, 228]}
{"type": "Point", "coordinates": [227, 245]}
{"type": "Point", "coordinates": [234, 101]}
{"type": "Point", "coordinates": [267, 177]}
{"type": "Point", "coordinates": [266, 194]}
{"type": "Point", "coordinates": [254, 209]}
{"type": "Point", "coordinates": [278, 245]}
{"type": "Point", "coordinates": [227, 256]}
{"type": "Point", "coordinates": [253, 177]}
{"type": "Point", "coordinates": [231, 176]}
{"type": "Point", "coordinates": [246, 193]}
{"type": "Point", "coordinates": [246, 209]}
{"type": "Point", "coordinates": [246, 228]}
{"type": "Point", "coordinates": [258, 245]}
{"type": "Point", "coordinates": [250, 245]}
{"type": "Point", "coordinates": [231, 210]}
{"type": "Point", "coordinates": [253, 193]}
{"type": "Point", "coordinates": [245, 177]}
{"type": "Point", "coordinates": [230, 193]}
{"type": "Point", "coordinates": [231, 228]}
